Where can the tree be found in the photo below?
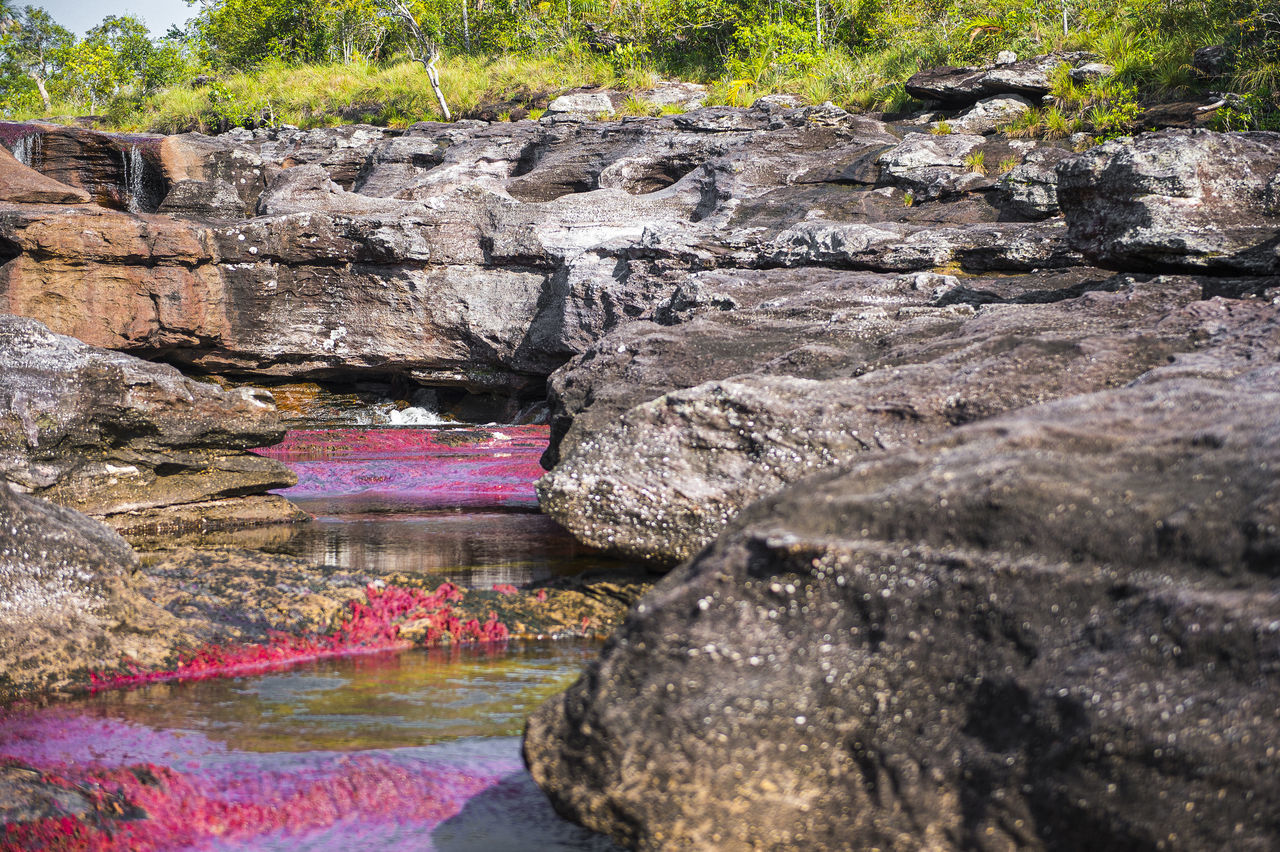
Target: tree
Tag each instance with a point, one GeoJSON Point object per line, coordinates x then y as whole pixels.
{"type": "Point", "coordinates": [422, 48]}
{"type": "Point", "coordinates": [34, 44]}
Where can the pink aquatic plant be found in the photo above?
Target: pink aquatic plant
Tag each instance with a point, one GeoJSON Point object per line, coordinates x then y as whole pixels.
{"type": "Point", "coordinates": [373, 625]}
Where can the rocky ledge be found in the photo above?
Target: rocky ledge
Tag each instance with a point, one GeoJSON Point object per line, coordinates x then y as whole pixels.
{"type": "Point", "coordinates": [133, 443]}
{"type": "Point", "coordinates": [970, 560]}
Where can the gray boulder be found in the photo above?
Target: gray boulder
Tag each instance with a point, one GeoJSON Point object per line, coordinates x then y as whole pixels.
{"type": "Point", "coordinates": [1176, 200]}
{"type": "Point", "coordinates": [67, 601]}
{"type": "Point", "coordinates": [127, 440]}
{"type": "Point", "coordinates": [1056, 629]}
{"type": "Point", "coordinates": [661, 481]}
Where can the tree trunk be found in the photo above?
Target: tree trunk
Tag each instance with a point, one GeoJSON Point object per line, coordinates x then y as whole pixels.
{"type": "Point", "coordinates": [44, 93]}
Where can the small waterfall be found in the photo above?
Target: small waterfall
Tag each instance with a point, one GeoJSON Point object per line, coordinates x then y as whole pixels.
{"type": "Point", "coordinates": [134, 178]}
{"type": "Point", "coordinates": [28, 149]}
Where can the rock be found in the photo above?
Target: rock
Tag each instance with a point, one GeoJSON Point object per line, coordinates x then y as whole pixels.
{"type": "Point", "coordinates": [198, 199]}
{"type": "Point", "coordinates": [1212, 61]}
{"type": "Point", "coordinates": [120, 171]}
{"type": "Point", "coordinates": [67, 603]}
{"type": "Point", "coordinates": [963, 85]}
{"type": "Point", "coordinates": [26, 795]}
{"type": "Point", "coordinates": [779, 100]}
{"type": "Point", "coordinates": [24, 185]}
{"type": "Point", "coordinates": [675, 93]}
{"type": "Point", "coordinates": [662, 480]}
{"type": "Point", "coordinates": [1030, 189]}
{"type": "Point", "coordinates": [931, 166]}
{"type": "Point", "coordinates": [981, 642]}
{"type": "Point", "coordinates": [591, 104]}
{"type": "Point", "coordinates": [1006, 57]}
{"type": "Point", "coordinates": [1176, 200]}
{"type": "Point", "coordinates": [1091, 71]}
{"type": "Point", "coordinates": [191, 159]}
{"type": "Point", "coordinates": [904, 248]}
{"type": "Point", "coordinates": [109, 434]}
{"type": "Point", "coordinates": [989, 114]}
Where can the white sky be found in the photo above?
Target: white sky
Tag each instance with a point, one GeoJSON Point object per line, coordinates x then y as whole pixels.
{"type": "Point", "coordinates": [80, 15]}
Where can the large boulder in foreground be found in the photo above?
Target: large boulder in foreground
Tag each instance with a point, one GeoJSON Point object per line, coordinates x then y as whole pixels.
{"type": "Point", "coordinates": [67, 601]}
{"type": "Point", "coordinates": [1056, 629]}
{"type": "Point", "coordinates": [131, 441]}
{"type": "Point", "coordinates": [1191, 200]}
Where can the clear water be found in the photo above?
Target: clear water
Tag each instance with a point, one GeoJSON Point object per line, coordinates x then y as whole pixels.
{"type": "Point", "coordinates": [416, 750]}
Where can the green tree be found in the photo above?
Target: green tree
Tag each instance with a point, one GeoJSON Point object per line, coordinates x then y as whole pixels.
{"type": "Point", "coordinates": [32, 45]}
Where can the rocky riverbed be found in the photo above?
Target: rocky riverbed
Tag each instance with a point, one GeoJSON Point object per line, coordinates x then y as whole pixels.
{"type": "Point", "coordinates": [962, 449]}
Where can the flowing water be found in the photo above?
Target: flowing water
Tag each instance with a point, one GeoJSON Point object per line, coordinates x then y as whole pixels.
{"type": "Point", "coordinates": [417, 750]}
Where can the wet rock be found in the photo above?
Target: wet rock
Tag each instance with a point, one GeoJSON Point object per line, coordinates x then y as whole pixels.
{"type": "Point", "coordinates": [24, 185]}
{"type": "Point", "coordinates": [26, 795]}
{"type": "Point", "coordinates": [661, 481]}
{"type": "Point", "coordinates": [117, 170]}
{"type": "Point", "coordinates": [1176, 200]}
{"type": "Point", "coordinates": [109, 434]}
{"type": "Point", "coordinates": [1050, 630]}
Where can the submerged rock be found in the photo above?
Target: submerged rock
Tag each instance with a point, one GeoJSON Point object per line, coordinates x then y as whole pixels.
{"type": "Point", "coordinates": [1054, 629]}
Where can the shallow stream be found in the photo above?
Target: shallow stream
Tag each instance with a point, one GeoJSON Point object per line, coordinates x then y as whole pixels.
{"type": "Point", "coordinates": [416, 750]}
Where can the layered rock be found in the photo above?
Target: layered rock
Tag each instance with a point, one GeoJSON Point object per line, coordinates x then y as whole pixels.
{"type": "Point", "coordinates": [1054, 629]}
{"type": "Point", "coordinates": [132, 442]}
{"type": "Point", "coordinates": [484, 256]}
{"type": "Point", "coordinates": [1178, 200]}
{"type": "Point", "coordinates": [660, 480]}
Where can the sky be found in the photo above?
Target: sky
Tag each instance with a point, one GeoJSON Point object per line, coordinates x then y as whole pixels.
{"type": "Point", "coordinates": [80, 15]}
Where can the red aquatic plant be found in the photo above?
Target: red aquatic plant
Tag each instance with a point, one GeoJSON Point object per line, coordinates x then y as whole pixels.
{"type": "Point", "coordinates": [181, 810]}
{"type": "Point", "coordinates": [373, 625]}
{"type": "Point", "coordinates": [504, 588]}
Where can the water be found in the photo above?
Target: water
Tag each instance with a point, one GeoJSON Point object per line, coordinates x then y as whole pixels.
{"type": "Point", "coordinates": [457, 503]}
{"type": "Point", "coordinates": [134, 181]}
{"type": "Point", "coordinates": [27, 150]}
{"type": "Point", "coordinates": [416, 750]}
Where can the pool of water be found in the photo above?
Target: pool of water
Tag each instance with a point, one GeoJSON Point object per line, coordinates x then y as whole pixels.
{"type": "Point", "coordinates": [457, 503]}
{"type": "Point", "coordinates": [418, 749]}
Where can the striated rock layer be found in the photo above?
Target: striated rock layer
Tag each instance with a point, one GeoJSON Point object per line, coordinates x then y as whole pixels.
{"type": "Point", "coordinates": [132, 442]}
{"type": "Point", "coordinates": [971, 562]}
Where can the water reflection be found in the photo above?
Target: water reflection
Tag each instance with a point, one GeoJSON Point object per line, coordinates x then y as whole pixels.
{"type": "Point", "coordinates": [376, 701]}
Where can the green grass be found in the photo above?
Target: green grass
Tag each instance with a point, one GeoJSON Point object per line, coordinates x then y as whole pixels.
{"type": "Point", "coordinates": [1148, 45]}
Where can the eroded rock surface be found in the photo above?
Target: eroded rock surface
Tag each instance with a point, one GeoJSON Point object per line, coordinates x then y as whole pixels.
{"type": "Point", "coordinates": [67, 601]}
{"type": "Point", "coordinates": [130, 441]}
{"type": "Point", "coordinates": [1178, 200]}
{"type": "Point", "coordinates": [1053, 629]}
{"type": "Point", "coordinates": [483, 256]}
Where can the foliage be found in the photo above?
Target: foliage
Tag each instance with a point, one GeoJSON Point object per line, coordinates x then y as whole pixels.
{"type": "Point", "coordinates": [314, 61]}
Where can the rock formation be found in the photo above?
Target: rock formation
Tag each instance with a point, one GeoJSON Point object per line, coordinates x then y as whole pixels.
{"type": "Point", "coordinates": [132, 442]}
{"type": "Point", "coordinates": [1031, 602]}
